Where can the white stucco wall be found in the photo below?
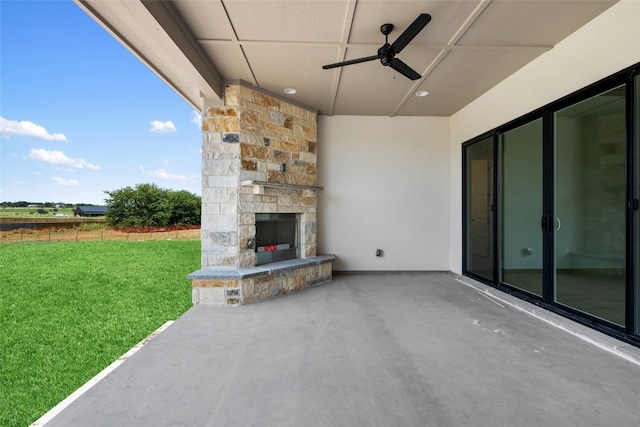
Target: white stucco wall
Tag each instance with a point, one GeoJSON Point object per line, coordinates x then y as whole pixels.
{"type": "Point", "coordinates": [396, 183]}
{"type": "Point", "coordinates": [606, 45]}
{"type": "Point", "coordinates": [386, 187]}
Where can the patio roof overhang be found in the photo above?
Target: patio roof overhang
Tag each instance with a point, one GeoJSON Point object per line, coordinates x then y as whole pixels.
{"type": "Point", "coordinates": [466, 49]}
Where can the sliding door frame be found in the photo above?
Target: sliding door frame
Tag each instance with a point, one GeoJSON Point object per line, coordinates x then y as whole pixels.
{"type": "Point", "coordinates": [630, 332]}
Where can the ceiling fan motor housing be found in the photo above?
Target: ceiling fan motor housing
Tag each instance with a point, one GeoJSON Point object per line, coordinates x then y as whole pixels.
{"type": "Point", "coordinates": [386, 54]}
{"type": "Point", "coordinates": [387, 59]}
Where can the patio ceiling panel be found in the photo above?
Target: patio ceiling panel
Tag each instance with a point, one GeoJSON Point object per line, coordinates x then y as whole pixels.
{"type": "Point", "coordinates": [230, 60]}
{"type": "Point", "coordinates": [531, 23]}
{"type": "Point", "coordinates": [207, 21]}
{"type": "Point", "coordinates": [370, 15]}
{"type": "Point", "coordinates": [448, 20]}
{"type": "Point", "coordinates": [296, 65]}
{"type": "Point", "coordinates": [467, 48]}
{"type": "Point", "coordinates": [465, 74]}
{"type": "Point", "coordinates": [287, 21]}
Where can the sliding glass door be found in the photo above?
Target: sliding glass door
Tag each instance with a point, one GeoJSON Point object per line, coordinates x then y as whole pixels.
{"type": "Point", "coordinates": [590, 201]}
{"type": "Point", "coordinates": [634, 215]}
{"type": "Point", "coordinates": [551, 206]}
{"type": "Point", "coordinates": [521, 207]}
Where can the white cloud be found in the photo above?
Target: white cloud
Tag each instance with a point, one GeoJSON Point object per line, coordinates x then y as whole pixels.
{"type": "Point", "coordinates": [9, 128]}
{"type": "Point", "coordinates": [65, 182]}
{"type": "Point", "coordinates": [163, 174]}
{"type": "Point", "coordinates": [196, 118]}
{"type": "Point", "coordinates": [59, 158]}
{"type": "Point", "coordinates": [21, 183]}
{"type": "Point", "coordinates": [162, 127]}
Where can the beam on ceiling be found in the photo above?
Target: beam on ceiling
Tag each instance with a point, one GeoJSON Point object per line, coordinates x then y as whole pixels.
{"type": "Point", "coordinates": [166, 14]}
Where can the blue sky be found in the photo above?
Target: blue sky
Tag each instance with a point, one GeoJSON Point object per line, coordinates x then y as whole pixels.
{"type": "Point", "coordinates": [79, 114]}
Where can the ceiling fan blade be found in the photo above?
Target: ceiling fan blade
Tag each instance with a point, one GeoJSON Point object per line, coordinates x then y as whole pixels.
{"type": "Point", "coordinates": [404, 69]}
{"type": "Point", "coordinates": [409, 34]}
{"type": "Point", "coordinates": [350, 62]}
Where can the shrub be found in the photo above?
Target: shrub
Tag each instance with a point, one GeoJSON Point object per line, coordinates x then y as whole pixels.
{"type": "Point", "coordinates": [148, 205]}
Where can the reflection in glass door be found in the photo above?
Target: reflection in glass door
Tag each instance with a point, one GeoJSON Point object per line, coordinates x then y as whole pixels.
{"type": "Point", "coordinates": [521, 207]}
{"type": "Point", "coordinates": [590, 201]}
{"type": "Point", "coordinates": [479, 215]}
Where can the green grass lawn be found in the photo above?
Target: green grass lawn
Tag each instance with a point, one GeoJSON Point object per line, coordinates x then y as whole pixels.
{"type": "Point", "coordinates": [68, 310]}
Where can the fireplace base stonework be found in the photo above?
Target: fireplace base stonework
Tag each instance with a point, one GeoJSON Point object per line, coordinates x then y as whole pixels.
{"type": "Point", "coordinates": [259, 155]}
{"type": "Point", "coordinates": [247, 285]}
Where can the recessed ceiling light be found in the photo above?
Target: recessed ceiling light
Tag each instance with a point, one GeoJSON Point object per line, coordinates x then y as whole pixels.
{"type": "Point", "coordinates": [422, 93]}
{"type": "Point", "coordinates": [290, 91]}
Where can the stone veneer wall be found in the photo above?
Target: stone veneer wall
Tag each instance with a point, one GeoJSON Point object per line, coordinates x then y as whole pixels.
{"type": "Point", "coordinates": [260, 138]}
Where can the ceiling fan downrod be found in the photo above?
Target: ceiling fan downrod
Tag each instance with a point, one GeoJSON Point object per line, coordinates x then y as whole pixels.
{"type": "Point", "coordinates": [384, 53]}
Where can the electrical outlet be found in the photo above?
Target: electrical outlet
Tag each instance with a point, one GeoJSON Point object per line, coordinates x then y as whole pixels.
{"type": "Point", "coordinates": [378, 252]}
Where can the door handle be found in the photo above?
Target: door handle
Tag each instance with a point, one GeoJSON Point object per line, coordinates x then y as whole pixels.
{"type": "Point", "coordinates": [544, 224]}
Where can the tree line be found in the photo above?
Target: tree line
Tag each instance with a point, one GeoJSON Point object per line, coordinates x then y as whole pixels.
{"type": "Point", "coordinates": [150, 205]}
{"type": "Point", "coordinates": [139, 206]}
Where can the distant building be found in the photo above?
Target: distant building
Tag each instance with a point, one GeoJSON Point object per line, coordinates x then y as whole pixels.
{"type": "Point", "coordinates": [89, 211]}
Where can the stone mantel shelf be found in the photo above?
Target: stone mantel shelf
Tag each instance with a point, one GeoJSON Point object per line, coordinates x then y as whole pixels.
{"type": "Point", "coordinates": [279, 185]}
{"type": "Point", "coordinates": [261, 270]}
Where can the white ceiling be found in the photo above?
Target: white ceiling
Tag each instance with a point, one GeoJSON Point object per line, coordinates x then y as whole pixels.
{"type": "Point", "coordinates": [468, 47]}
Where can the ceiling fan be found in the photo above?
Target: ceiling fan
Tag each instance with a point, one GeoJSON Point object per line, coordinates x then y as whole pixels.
{"type": "Point", "coordinates": [387, 52]}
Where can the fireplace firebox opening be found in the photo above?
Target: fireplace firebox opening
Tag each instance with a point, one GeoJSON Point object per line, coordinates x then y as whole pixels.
{"type": "Point", "coordinates": [276, 237]}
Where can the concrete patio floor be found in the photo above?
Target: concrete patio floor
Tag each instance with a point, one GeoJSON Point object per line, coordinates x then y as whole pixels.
{"type": "Point", "coordinates": [411, 349]}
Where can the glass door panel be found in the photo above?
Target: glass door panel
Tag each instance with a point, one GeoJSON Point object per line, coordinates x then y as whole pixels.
{"type": "Point", "coordinates": [479, 216]}
{"type": "Point", "coordinates": [636, 214]}
{"type": "Point", "coordinates": [521, 207]}
{"type": "Point", "coordinates": [590, 206]}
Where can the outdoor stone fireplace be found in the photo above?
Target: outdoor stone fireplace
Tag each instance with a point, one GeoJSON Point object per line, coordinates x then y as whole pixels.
{"type": "Point", "coordinates": [258, 167]}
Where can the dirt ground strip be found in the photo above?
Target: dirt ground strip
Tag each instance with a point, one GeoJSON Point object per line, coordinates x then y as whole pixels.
{"type": "Point", "coordinates": [72, 234]}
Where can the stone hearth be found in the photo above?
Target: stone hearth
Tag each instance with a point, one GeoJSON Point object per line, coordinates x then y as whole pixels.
{"type": "Point", "coordinates": [259, 155]}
